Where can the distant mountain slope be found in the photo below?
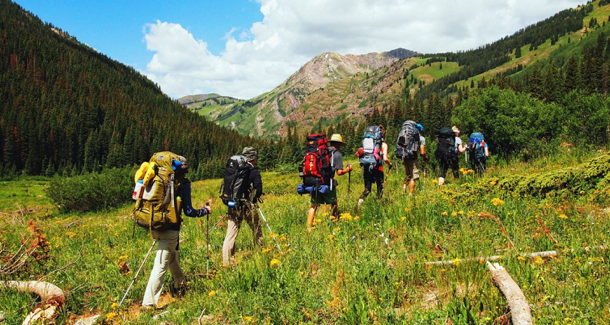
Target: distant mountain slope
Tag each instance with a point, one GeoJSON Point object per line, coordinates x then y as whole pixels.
{"type": "Point", "coordinates": [265, 115]}
{"type": "Point", "coordinates": [65, 107]}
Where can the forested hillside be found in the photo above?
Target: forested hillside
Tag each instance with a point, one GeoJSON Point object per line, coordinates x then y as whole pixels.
{"type": "Point", "coordinates": [67, 108]}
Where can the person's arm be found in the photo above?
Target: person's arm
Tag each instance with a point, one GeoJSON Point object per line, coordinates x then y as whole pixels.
{"type": "Point", "coordinates": [486, 151]}
{"type": "Point", "coordinates": [386, 158]}
{"type": "Point", "coordinates": [461, 147]}
{"type": "Point", "coordinates": [187, 206]}
{"type": "Point", "coordinates": [338, 161]}
{"type": "Point", "coordinates": [257, 184]}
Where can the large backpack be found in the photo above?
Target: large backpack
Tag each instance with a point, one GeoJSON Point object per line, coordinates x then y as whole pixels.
{"type": "Point", "coordinates": [371, 144]}
{"type": "Point", "coordinates": [157, 206]}
{"type": "Point", "coordinates": [476, 146]}
{"type": "Point", "coordinates": [407, 144]}
{"type": "Point", "coordinates": [445, 149]}
{"type": "Point", "coordinates": [316, 167]}
{"type": "Point", "coordinates": [234, 184]}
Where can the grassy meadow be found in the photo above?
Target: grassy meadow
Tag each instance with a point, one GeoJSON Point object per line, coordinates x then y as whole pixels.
{"type": "Point", "coordinates": [366, 266]}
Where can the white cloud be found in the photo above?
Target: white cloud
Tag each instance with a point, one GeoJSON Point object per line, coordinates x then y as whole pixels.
{"type": "Point", "coordinates": [294, 31]}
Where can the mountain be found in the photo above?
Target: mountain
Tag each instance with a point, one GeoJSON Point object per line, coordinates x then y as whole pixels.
{"type": "Point", "coordinates": [268, 114]}
{"type": "Point", "coordinates": [67, 108]}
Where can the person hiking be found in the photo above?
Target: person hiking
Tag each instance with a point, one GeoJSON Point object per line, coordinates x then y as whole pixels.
{"type": "Point", "coordinates": [373, 173]}
{"type": "Point", "coordinates": [168, 244]}
{"type": "Point", "coordinates": [336, 142]}
{"type": "Point", "coordinates": [478, 151]}
{"type": "Point", "coordinates": [411, 169]}
{"type": "Point", "coordinates": [459, 147]}
{"type": "Point", "coordinates": [447, 153]}
{"type": "Point", "coordinates": [245, 208]}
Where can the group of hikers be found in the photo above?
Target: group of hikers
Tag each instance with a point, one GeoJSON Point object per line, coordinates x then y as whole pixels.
{"type": "Point", "coordinates": [163, 192]}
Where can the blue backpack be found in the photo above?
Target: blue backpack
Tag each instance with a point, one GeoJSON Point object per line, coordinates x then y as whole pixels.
{"type": "Point", "coordinates": [372, 147]}
{"type": "Point", "coordinates": [476, 146]}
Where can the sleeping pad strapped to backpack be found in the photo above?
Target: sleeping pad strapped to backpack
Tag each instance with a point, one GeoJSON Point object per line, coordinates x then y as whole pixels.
{"type": "Point", "coordinates": [407, 144]}
{"type": "Point", "coordinates": [371, 145]}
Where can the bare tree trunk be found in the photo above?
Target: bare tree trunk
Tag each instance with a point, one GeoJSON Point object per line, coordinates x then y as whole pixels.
{"type": "Point", "coordinates": [519, 308]}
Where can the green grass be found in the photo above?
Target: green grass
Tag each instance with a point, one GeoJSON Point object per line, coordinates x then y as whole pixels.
{"type": "Point", "coordinates": [367, 267]}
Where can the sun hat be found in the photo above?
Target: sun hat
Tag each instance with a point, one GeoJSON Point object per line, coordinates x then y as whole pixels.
{"type": "Point", "coordinates": [455, 129]}
{"type": "Point", "coordinates": [250, 153]}
{"type": "Point", "coordinates": [337, 138]}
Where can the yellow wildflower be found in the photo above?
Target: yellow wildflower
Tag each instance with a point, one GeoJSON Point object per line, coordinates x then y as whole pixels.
{"type": "Point", "coordinates": [456, 262]}
{"type": "Point", "coordinates": [331, 237]}
{"type": "Point", "coordinates": [111, 315]}
{"type": "Point", "coordinates": [407, 209]}
{"type": "Point", "coordinates": [346, 216]}
{"type": "Point", "coordinates": [272, 235]}
{"type": "Point", "coordinates": [539, 260]}
{"type": "Point", "coordinates": [336, 229]}
{"type": "Point", "coordinates": [521, 258]}
{"type": "Point", "coordinates": [444, 213]}
{"type": "Point", "coordinates": [454, 214]}
{"type": "Point", "coordinates": [274, 262]}
{"type": "Point", "coordinates": [497, 201]}
{"type": "Point", "coordinates": [563, 216]}
{"type": "Point", "coordinates": [492, 183]}
{"type": "Point", "coordinates": [248, 319]}
{"type": "Point", "coordinates": [114, 306]}
{"type": "Point", "coordinates": [266, 250]}
{"type": "Point", "coordinates": [356, 217]}
{"type": "Point", "coordinates": [211, 293]}
{"type": "Point", "coordinates": [404, 218]}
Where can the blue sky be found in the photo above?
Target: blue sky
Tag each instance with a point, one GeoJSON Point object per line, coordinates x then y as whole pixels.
{"type": "Point", "coordinates": [243, 48]}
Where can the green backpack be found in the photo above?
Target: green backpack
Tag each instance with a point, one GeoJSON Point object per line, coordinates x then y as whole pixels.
{"type": "Point", "coordinates": [157, 207]}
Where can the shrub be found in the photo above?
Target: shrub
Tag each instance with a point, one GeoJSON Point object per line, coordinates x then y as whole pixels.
{"type": "Point", "coordinates": [93, 192]}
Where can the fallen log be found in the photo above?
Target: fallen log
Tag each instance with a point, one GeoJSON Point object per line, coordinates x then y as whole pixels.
{"type": "Point", "coordinates": [491, 258]}
{"type": "Point", "coordinates": [52, 298]}
{"type": "Point", "coordinates": [519, 308]}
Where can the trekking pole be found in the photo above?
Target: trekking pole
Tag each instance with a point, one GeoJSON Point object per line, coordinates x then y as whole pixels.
{"type": "Point", "coordinates": [218, 222]}
{"type": "Point", "coordinates": [207, 231]}
{"type": "Point", "coordinates": [135, 276]}
{"type": "Point", "coordinates": [271, 231]}
{"type": "Point", "coordinates": [424, 174]}
{"type": "Point", "coordinates": [349, 181]}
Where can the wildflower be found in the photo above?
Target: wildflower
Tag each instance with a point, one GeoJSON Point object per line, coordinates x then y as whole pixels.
{"type": "Point", "coordinates": [582, 192]}
{"type": "Point", "coordinates": [539, 260]}
{"type": "Point", "coordinates": [325, 214]}
{"type": "Point", "coordinates": [456, 262]}
{"type": "Point", "coordinates": [114, 306]}
{"type": "Point", "coordinates": [454, 214]}
{"type": "Point", "coordinates": [497, 202]}
{"type": "Point", "coordinates": [70, 234]}
{"type": "Point", "coordinates": [346, 216]}
{"type": "Point", "coordinates": [444, 213]}
{"type": "Point", "coordinates": [248, 319]}
{"type": "Point", "coordinates": [357, 218]}
{"type": "Point", "coordinates": [407, 209]}
{"type": "Point", "coordinates": [404, 218]}
{"type": "Point", "coordinates": [521, 258]}
{"type": "Point", "coordinates": [336, 229]}
{"type": "Point", "coordinates": [211, 293]}
{"type": "Point", "coordinates": [492, 183]}
{"type": "Point", "coordinates": [111, 315]}
{"type": "Point", "coordinates": [434, 181]}
{"type": "Point", "coordinates": [274, 262]}
{"type": "Point", "coordinates": [563, 216]}
{"type": "Point", "coordinates": [461, 212]}
{"type": "Point", "coordinates": [266, 250]}
{"type": "Point", "coordinates": [272, 235]}
{"type": "Point", "coordinates": [331, 237]}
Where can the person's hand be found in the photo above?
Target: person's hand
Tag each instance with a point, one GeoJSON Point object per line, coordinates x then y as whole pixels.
{"type": "Point", "coordinates": [350, 168]}
{"type": "Point", "coordinates": [360, 152]}
{"type": "Point", "coordinates": [207, 208]}
{"type": "Point", "coordinates": [426, 157]}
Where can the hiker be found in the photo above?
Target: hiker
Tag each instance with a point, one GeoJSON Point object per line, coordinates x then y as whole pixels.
{"type": "Point", "coordinates": [410, 164]}
{"type": "Point", "coordinates": [447, 153]}
{"type": "Point", "coordinates": [245, 207]}
{"type": "Point", "coordinates": [478, 151]}
{"type": "Point", "coordinates": [168, 243]}
{"type": "Point", "coordinates": [336, 157]}
{"type": "Point", "coordinates": [373, 169]}
{"type": "Point", "coordinates": [459, 147]}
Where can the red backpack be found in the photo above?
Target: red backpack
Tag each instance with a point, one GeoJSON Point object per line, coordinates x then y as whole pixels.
{"type": "Point", "coordinates": [316, 169]}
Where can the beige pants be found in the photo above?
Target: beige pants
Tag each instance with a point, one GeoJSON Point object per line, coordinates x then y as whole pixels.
{"type": "Point", "coordinates": [411, 170]}
{"type": "Point", "coordinates": [246, 212]}
{"type": "Point", "coordinates": [168, 257]}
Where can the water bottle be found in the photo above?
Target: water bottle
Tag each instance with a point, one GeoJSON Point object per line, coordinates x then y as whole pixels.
{"type": "Point", "coordinates": [231, 204]}
{"type": "Point", "coordinates": [137, 191]}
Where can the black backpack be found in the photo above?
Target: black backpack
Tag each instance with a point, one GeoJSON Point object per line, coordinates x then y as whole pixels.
{"type": "Point", "coordinates": [407, 144]}
{"type": "Point", "coordinates": [445, 149]}
{"type": "Point", "coordinates": [235, 184]}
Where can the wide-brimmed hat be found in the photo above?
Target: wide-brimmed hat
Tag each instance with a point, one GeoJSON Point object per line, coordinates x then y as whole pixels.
{"type": "Point", "coordinates": [250, 153]}
{"type": "Point", "coordinates": [455, 129]}
{"type": "Point", "coordinates": [337, 138]}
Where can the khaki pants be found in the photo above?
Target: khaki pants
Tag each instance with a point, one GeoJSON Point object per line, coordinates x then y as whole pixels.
{"type": "Point", "coordinates": [247, 212]}
{"type": "Point", "coordinates": [168, 257]}
{"type": "Point", "coordinates": [411, 170]}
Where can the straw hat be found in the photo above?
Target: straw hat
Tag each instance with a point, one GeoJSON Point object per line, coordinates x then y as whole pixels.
{"type": "Point", "coordinates": [455, 129]}
{"type": "Point", "coordinates": [337, 138]}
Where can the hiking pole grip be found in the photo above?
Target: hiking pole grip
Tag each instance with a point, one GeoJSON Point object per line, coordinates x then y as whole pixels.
{"type": "Point", "coordinates": [138, 272]}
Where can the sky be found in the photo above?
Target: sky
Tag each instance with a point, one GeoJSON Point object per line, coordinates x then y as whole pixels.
{"type": "Point", "coordinates": [244, 48]}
